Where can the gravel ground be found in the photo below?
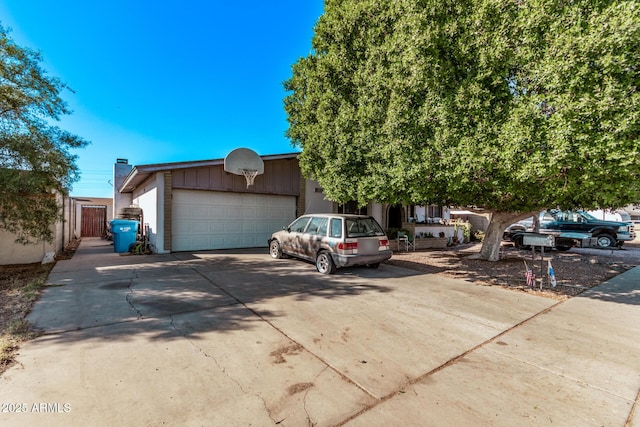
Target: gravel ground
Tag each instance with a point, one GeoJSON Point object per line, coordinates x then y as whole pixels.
{"type": "Point", "coordinates": [575, 270]}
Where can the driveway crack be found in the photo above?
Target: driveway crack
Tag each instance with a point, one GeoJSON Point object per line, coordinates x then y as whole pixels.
{"type": "Point", "coordinates": [128, 298]}
{"type": "Point", "coordinates": [559, 374]}
{"type": "Point", "coordinates": [633, 410]}
{"type": "Point", "coordinates": [222, 369]}
{"type": "Point", "coordinates": [304, 399]}
{"type": "Point", "coordinates": [448, 363]}
{"type": "Point", "coordinates": [283, 333]}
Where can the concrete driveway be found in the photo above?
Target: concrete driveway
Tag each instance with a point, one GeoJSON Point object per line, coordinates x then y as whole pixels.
{"type": "Point", "coordinates": [236, 338]}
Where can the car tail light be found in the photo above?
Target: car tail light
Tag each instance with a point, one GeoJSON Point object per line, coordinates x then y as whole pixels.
{"type": "Point", "coordinates": [384, 242]}
{"type": "Point", "coordinates": [347, 246]}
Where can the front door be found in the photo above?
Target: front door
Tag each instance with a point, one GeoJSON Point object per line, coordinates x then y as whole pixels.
{"type": "Point", "coordinates": [395, 216]}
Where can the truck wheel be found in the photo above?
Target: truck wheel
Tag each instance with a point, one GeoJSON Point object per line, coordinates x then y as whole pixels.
{"type": "Point", "coordinates": [518, 242]}
{"type": "Point", "coordinates": [605, 241]}
{"type": "Point", "coordinates": [562, 248]}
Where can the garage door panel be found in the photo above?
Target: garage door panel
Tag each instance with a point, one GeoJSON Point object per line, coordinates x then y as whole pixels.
{"type": "Point", "coordinates": [234, 227]}
{"type": "Point", "coordinates": [182, 228]}
{"type": "Point", "coordinates": [183, 212]}
{"type": "Point", "coordinates": [274, 213]}
{"type": "Point", "coordinates": [218, 220]}
{"type": "Point", "coordinates": [199, 227]}
{"type": "Point", "coordinates": [232, 212]}
{"type": "Point", "coordinates": [200, 241]}
{"type": "Point", "coordinates": [250, 212]}
{"type": "Point", "coordinates": [217, 211]}
{"type": "Point", "coordinates": [218, 228]}
{"type": "Point", "coordinates": [200, 211]}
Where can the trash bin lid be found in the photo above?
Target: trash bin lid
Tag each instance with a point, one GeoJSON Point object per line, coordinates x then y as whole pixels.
{"type": "Point", "coordinates": [124, 221]}
{"type": "Point", "coordinates": [123, 225]}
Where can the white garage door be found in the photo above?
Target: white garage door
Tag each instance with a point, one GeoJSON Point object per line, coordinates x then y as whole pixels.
{"type": "Point", "coordinates": [219, 220]}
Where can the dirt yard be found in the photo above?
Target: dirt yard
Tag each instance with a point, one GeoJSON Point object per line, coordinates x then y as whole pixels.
{"type": "Point", "coordinates": [20, 287]}
{"type": "Point", "coordinates": [18, 291]}
{"type": "Point", "coordinates": [575, 270]}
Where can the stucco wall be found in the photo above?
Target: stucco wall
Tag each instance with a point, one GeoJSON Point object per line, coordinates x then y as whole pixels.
{"type": "Point", "coordinates": [314, 198]}
{"type": "Point", "coordinates": [15, 253]}
{"type": "Point", "coordinates": [146, 197]}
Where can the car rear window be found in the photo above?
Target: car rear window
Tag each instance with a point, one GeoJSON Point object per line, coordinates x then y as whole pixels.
{"type": "Point", "coordinates": [363, 227]}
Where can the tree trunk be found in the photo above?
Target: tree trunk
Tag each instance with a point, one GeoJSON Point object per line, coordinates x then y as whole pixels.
{"type": "Point", "coordinates": [490, 250]}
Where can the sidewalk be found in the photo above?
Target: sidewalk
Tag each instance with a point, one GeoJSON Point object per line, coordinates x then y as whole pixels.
{"type": "Point", "coordinates": [236, 338]}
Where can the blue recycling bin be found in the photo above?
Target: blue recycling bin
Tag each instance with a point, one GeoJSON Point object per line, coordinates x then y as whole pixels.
{"type": "Point", "coordinates": [124, 233]}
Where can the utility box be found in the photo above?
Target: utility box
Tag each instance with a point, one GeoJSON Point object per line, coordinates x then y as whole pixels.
{"type": "Point", "coordinates": [124, 233]}
{"type": "Point", "coordinates": [537, 239]}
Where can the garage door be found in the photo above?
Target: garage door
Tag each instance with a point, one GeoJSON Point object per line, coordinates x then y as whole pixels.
{"type": "Point", "coordinates": [218, 220]}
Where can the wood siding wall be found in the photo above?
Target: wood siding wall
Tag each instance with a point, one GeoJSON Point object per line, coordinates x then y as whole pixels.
{"type": "Point", "coordinates": [280, 177]}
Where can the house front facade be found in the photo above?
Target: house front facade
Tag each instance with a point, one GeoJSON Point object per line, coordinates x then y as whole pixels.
{"type": "Point", "coordinates": [197, 205]}
{"type": "Point", "coordinates": [190, 206]}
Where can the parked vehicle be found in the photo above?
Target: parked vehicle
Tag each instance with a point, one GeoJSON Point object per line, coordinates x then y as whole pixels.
{"type": "Point", "coordinates": [332, 241]}
{"type": "Point", "coordinates": [574, 228]}
{"type": "Point", "coordinates": [518, 227]}
{"type": "Point", "coordinates": [610, 215]}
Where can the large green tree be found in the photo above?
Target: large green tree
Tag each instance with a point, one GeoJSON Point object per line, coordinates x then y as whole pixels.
{"type": "Point", "coordinates": [36, 165]}
{"type": "Point", "coordinates": [508, 105]}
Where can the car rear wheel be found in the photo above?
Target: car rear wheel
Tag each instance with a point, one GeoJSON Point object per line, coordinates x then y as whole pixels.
{"type": "Point", "coordinates": [605, 241]}
{"type": "Point", "coordinates": [325, 264]}
{"type": "Point", "coordinates": [374, 265]}
{"type": "Point", "coordinates": [275, 250]}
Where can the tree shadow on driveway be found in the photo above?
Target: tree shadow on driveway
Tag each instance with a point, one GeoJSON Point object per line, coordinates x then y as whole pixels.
{"type": "Point", "coordinates": [104, 290]}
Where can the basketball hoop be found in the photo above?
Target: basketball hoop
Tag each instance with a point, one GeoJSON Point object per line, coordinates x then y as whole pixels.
{"type": "Point", "coordinates": [243, 161]}
{"type": "Point", "coordinates": [250, 175]}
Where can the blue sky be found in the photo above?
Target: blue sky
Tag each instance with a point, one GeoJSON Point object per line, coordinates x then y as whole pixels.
{"type": "Point", "coordinates": [167, 81]}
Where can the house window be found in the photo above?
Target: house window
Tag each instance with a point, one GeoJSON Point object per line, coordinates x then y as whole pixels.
{"type": "Point", "coordinates": [434, 211]}
{"type": "Point", "coordinates": [352, 208]}
{"type": "Point", "coordinates": [426, 214]}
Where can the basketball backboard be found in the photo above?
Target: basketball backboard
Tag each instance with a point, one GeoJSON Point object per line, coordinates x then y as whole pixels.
{"type": "Point", "coordinates": [244, 161]}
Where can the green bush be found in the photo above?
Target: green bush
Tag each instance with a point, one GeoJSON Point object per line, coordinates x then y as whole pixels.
{"type": "Point", "coordinates": [477, 236]}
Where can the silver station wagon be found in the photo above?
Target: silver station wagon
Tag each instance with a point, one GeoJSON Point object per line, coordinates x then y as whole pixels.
{"type": "Point", "coordinates": [332, 240]}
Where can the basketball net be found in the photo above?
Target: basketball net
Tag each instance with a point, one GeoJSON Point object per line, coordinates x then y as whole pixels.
{"type": "Point", "coordinates": [250, 175]}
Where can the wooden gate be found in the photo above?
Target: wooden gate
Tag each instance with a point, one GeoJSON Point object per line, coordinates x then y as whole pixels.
{"type": "Point", "coordinates": [94, 219]}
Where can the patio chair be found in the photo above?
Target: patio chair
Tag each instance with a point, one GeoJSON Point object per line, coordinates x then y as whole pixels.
{"type": "Point", "coordinates": [406, 241]}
